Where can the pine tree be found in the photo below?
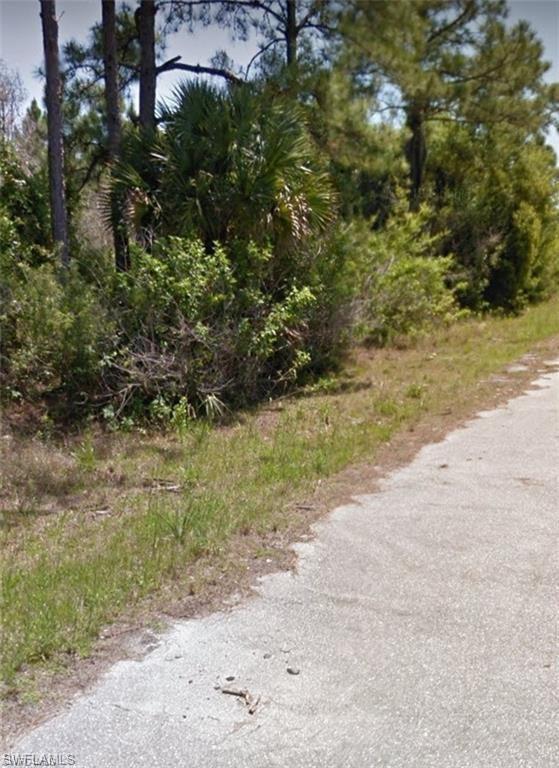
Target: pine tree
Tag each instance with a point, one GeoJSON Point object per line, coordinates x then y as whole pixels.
{"type": "Point", "coordinates": [55, 139]}
{"type": "Point", "coordinates": [114, 128]}
{"type": "Point", "coordinates": [441, 60]}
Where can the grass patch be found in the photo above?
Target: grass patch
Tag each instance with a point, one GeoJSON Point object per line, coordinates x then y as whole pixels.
{"type": "Point", "coordinates": [92, 526]}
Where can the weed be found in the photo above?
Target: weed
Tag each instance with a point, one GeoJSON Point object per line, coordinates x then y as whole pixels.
{"type": "Point", "coordinates": [415, 391]}
{"type": "Point", "coordinates": [85, 455]}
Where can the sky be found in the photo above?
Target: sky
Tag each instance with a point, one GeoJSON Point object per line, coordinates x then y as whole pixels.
{"type": "Point", "coordinates": [21, 43]}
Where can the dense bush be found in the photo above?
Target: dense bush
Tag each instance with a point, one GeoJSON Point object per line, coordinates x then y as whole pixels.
{"type": "Point", "coordinates": [497, 201]}
{"type": "Point", "coordinates": [405, 287]}
{"type": "Point", "coordinates": [236, 291]}
{"type": "Point", "coordinates": [24, 203]}
{"type": "Point", "coordinates": [188, 326]}
{"type": "Point", "coordinates": [200, 323]}
{"type": "Point", "coordinates": [54, 331]}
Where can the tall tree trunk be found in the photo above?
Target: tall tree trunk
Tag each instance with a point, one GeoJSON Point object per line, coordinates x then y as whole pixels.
{"type": "Point", "coordinates": [110, 60]}
{"type": "Point", "coordinates": [416, 152]}
{"type": "Point", "coordinates": [145, 22]}
{"type": "Point", "coordinates": [291, 32]}
{"type": "Point", "coordinates": [59, 219]}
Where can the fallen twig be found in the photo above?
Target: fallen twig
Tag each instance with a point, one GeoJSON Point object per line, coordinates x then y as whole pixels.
{"type": "Point", "coordinates": [159, 484]}
{"type": "Point", "coordinates": [252, 703]}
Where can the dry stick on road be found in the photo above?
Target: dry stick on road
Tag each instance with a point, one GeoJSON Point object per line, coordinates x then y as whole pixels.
{"type": "Point", "coordinates": [252, 703]}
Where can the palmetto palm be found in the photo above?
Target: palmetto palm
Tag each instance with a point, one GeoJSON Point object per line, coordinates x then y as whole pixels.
{"type": "Point", "coordinates": [229, 166]}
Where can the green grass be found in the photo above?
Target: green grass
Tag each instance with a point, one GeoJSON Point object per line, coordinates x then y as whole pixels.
{"type": "Point", "coordinates": [84, 547]}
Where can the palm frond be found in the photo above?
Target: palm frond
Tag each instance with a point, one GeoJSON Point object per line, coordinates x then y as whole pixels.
{"type": "Point", "coordinates": [227, 166]}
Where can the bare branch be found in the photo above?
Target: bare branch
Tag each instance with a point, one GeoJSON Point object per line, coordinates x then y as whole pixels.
{"type": "Point", "coordinates": [261, 51]}
{"type": "Point", "coordinates": [174, 63]}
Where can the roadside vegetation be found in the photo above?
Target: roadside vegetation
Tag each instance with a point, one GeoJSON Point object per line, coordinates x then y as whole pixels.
{"type": "Point", "coordinates": [212, 302]}
{"type": "Point", "coordinates": [96, 522]}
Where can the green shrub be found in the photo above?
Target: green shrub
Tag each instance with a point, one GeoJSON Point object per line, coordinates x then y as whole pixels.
{"type": "Point", "coordinates": [405, 286]}
{"type": "Point", "coordinates": [529, 265]}
{"type": "Point", "coordinates": [24, 202]}
{"type": "Point", "coordinates": [496, 196]}
{"type": "Point", "coordinates": [410, 297]}
{"type": "Point", "coordinates": [54, 331]}
{"type": "Point", "coordinates": [202, 327]}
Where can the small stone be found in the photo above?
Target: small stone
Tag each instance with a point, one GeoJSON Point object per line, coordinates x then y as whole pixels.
{"type": "Point", "coordinates": [230, 678]}
{"type": "Point", "coordinates": [293, 671]}
{"type": "Point", "coordinates": [267, 655]}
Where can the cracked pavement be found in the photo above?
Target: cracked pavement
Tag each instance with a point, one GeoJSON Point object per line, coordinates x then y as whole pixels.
{"type": "Point", "coordinates": [420, 623]}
